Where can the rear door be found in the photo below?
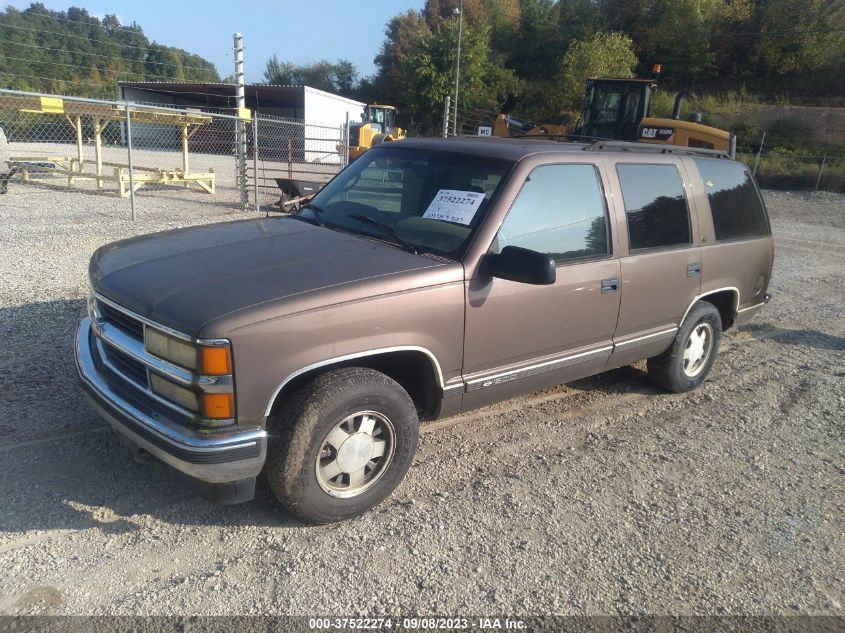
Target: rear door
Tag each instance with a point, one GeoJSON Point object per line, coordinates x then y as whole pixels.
{"type": "Point", "coordinates": [522, 337]}
{"type": "Point", "coordinates": [736, 239]}
{"type": "Point", "coordinates": [661, 271]}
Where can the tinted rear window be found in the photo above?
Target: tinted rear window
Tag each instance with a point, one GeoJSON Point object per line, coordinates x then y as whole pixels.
{"type": "Point", "coordinates": [655, 206]}
{"type": "Point", "coordinates": [738, 212]}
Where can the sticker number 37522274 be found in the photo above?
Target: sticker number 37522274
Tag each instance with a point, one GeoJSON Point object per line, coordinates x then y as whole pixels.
{"type": "Point", "coordinates": [452, 205]}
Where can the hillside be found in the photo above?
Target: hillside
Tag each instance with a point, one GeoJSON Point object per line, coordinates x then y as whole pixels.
{"type": "Point", "coordinates": [72, 52]}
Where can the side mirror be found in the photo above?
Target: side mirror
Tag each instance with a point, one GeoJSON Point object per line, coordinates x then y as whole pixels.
{"type": "Point", "coordinates": [522, 265]}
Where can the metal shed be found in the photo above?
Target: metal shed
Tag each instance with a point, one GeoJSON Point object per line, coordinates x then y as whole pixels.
{"type": "Point", "coordinates": [314, 108]}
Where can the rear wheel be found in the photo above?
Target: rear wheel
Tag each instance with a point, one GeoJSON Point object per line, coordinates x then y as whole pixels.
{"type": "Point", "coordinates": [688, 360]}
{"type": "Point", "coordinates": [341, 444]}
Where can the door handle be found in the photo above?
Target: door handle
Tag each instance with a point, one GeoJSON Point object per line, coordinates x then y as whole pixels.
{"type": "Point", "coordinates": [609, 285]}
{"type": "Point", "coordinates": [694, 270]}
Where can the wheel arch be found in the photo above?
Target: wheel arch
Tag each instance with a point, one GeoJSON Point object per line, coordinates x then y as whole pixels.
{"type": "Point", "coordinates": [416, 369]}
{"type": "Point", "coordinates": [725, 300]}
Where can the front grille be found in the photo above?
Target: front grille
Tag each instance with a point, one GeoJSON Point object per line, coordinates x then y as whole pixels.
{"type": "Point", "coordinates": [131, 326]}
{"type": "Point", "coordinates": [127, 366]}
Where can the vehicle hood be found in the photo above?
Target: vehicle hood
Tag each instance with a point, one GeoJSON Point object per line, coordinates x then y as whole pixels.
{"type": "Point", "coordinates": [188, 277]}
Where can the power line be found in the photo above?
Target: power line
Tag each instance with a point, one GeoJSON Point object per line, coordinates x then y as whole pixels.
{"type": "Point", "coordinates": [100, 70]}
{"type": "Point", "coordinates": [87, 39]}
{"type": "Point", "coordinates": [109, 57]}
{"type": "Point", "coordinates": [228, 98]}
{"type": "Point", "coordinates": [97, 20]}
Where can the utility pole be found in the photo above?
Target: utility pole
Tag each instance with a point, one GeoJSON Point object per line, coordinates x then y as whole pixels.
{"type": "Point", "coordinates": [239, 69]}
{"type": "Point", "coordinates": [460, 12]}
{"type": "Point", "coordinates": [240, 125]}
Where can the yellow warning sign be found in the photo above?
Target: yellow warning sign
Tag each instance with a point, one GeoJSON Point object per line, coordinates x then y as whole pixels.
{"type": "Point", "coordinates": [52, 105]}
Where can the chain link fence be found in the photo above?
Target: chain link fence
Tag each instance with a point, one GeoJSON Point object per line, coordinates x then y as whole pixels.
{"type": "Point", "coordinates": [781, 168]}
{"type": "Point", "coordinates": [144, 155]}
{"type": "Point", "coordinates": [306, 154]}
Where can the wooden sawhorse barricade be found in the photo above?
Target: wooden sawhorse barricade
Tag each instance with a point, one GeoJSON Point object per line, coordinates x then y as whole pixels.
{"type": "Point", "coordinates": [73, 168]}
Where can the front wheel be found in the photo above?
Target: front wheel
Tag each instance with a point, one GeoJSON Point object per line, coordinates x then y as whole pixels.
{"type": "Point", "coordinates": [341, 444]}
{"type": "Point", "coordinates": [688, 360]}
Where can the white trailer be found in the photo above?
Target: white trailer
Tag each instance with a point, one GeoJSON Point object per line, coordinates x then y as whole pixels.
{"type": "Point", "coordinates": [325, 117]}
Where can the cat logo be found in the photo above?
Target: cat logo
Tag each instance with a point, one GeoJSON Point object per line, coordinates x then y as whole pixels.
{"type": "Point", "coordinates": [656, 133]}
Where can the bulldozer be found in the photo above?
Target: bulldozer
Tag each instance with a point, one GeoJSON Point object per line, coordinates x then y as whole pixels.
{"type": "Point", "coordinates": [618, 109]}
{"type": "Point", "coordinates": [377, 125]}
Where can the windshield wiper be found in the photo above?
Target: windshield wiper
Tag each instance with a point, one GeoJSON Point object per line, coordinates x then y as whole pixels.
{"type": "Point", "coordinates": [317, 211]}
{"type": "Point", "coordinates": [387, 229]}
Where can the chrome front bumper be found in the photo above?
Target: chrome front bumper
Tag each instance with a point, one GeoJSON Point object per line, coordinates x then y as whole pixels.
{"type": "Point", "coordinates": [210, 458]}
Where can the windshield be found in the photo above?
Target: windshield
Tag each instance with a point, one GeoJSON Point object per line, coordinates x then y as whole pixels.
{"type": "Point", "coordinates": [428, 200]}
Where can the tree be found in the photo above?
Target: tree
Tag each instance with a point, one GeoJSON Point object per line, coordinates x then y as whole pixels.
{"type": "Point", "coordinates": [484, 84]}
{"type": "Point", "coordinates": [800, 36]}
{"type": "Point", "coordinates": [73, 52]}
{"type": "Point", "coordinates": [403, 35]}
{"type": "Point", "coordinates": [603, 55]}
{"type": "Point", "coordinates": [579, 19]}
{"type": "Point", "coordinates": [339, 77]}
{"type": "Point", "coordinates": [279, 73]}
{"type": "Point", "coordinates": [345, 76]}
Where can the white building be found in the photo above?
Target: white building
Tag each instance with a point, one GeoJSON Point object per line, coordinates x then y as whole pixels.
{"type": "Point", "coordinates": [309, 119]}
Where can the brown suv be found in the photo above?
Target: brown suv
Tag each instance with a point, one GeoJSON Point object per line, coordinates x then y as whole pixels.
{"type": "Point", "coordinates": [429, 277]}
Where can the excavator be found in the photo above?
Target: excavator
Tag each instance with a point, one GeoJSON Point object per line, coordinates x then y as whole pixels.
{"type": "Point", "coordinates": [377, 125]}
{"type": "Point", "coordinates": [618, 109]}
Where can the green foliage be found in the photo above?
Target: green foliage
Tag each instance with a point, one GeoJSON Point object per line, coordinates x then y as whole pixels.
{"type": "Point", "coordinates": [774, 46]}
{"type": "Point", "coordinates": [603, 55]}
{"type": "Point", "coordinates": [785, 171]}
{"type": "Point", "coordinates": [429, 70]}
{"type": "Point", "coordinates": [800, 36]}
{"type": "Point", "coordinates": [72, 52]}
{"type": "Point", "coordinates": [339, 77]}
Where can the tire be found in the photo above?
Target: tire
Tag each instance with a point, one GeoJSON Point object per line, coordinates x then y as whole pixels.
{"type": "Point", "coordinates": [378, 139]}
{"type": "Point", "coordinates": [317, 444]}
{"type": "Point", "coordinates": [675, 373]}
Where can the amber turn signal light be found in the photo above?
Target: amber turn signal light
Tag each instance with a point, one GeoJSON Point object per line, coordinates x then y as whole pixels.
{"type": "Point", "coordinates": [218, 406]}
{"type": "Point", "coordinates": [216, 361]}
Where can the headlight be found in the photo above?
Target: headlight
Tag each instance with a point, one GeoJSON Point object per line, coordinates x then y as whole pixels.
{"type": "Point", "coordinates": [170, 348]}
{"type": "Point", "coordinates": [203, 359]}
{"type": "Point", "coordinates": [208, 360]}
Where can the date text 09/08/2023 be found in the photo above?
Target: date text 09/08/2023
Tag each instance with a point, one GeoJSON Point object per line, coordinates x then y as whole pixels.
{"type": "Point", "coordinates": [416, 624]}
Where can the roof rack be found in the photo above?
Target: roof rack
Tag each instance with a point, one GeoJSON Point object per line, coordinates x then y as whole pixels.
{"type": "Point", "coordinates": [654, 148]}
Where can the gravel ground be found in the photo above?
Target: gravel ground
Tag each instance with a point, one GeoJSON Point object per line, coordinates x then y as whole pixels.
{"type": "Point", "coordinates": [603, 496]}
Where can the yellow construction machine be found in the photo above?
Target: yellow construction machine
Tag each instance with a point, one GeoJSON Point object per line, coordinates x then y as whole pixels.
{"type": "Point", "coordinates": [617, 109]}
{"type": "Point", "coordinates": [377, 125]}
{"type": "Point", "coordinates": [506, 125]}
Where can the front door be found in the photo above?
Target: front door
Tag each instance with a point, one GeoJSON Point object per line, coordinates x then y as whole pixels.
{"type": "Point", "coordinates": [522, 337]}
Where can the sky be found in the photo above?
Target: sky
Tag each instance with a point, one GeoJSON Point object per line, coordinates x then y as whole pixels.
{"type": "Point", "coordinates": [299, 31]}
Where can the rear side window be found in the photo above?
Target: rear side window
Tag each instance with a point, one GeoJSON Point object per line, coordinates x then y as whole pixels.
{"type": "Point", "coordinates": [738, 212]}
{"type": "Point", "coordinates": [655, 206]}
{"type": "Point", "coordinates": [560, 212]}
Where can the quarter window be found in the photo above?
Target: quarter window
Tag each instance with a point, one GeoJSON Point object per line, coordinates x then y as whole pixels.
{"type": "Point", "coordinates": [560, 211]}
{"type": "Point", "coordinates": [655, 206]}
{"type": "Point", "coordinates": [738, 212]}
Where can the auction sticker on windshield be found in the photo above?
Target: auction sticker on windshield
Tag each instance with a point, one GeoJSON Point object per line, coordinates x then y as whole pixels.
{"type": "Point", "coordinates": [452, 205]}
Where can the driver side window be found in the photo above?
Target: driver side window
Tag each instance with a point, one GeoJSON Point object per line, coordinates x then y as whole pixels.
{"type": "Point", "coordinates": [560, 212]}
